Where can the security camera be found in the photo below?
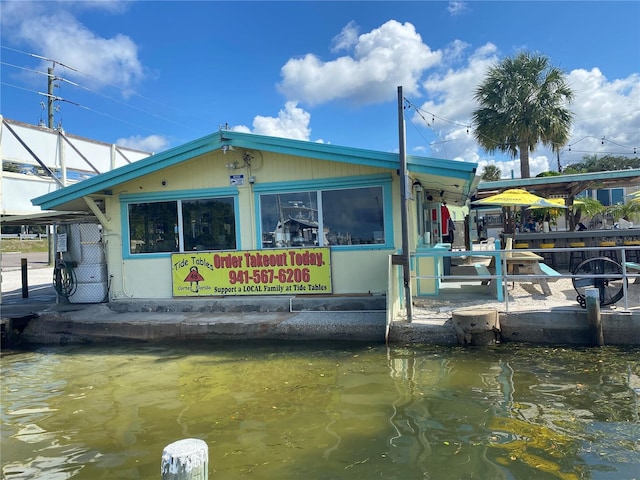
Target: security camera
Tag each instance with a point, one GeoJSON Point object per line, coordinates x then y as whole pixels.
{"type": "Point", "coordinates": [163, 183]}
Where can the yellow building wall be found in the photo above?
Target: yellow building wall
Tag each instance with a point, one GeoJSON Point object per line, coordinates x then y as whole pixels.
{"type": "Point", "coordinates": [353, 271]}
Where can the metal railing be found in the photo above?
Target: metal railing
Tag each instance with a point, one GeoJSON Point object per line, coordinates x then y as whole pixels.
{"type": "Point", "coordinates": [501, 277]}
{"type": "Point", "coordinates": [23, 236]}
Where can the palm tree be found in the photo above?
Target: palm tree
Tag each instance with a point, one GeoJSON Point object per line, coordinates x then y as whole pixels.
{"type": "Point", "coordinates": [587, 206]}
{"type": "Point", "coordinates": [627, 211]}
{"type": "Point", "coordinates": [522, 104]}
{"type": "Point", "coordinates": [491, 173]}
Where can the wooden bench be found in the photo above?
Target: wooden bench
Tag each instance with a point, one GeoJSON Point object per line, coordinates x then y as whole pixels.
{"type": "Point", "coordinates": [544, 273]}
{"type": "Point", "coordinates": [634, 267]}
{"type": "Point", "coordinates": [547, 270]}
{"type": "Point", "coordinates": [482, 270]}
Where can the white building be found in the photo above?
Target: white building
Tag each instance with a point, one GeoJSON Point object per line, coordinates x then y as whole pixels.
{"type": "Point", "coordinates": [38, 160]}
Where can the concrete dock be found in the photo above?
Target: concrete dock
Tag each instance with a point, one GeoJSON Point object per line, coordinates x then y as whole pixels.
{"type": "Point", "coordinates": [529, 316]}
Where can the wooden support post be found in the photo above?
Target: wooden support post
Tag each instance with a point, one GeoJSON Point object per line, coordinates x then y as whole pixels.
{"type": "Point", "coordinates": [592, 297]}
{"type": "Point", "coordinates": [25, 280]}
{"type": "Point", "coordinates": [186, 459]}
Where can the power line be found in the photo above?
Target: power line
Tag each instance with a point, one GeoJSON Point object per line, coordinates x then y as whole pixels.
{"type": "Point", "coordinates": [420, 111]}
{"type": "Point", "coordinates": [118, 87]}
{"type": "Point", "coordinates": [61, 99]}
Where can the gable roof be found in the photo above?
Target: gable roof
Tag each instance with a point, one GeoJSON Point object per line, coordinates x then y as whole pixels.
{"type": "Point", "coordinates": [456, 178]}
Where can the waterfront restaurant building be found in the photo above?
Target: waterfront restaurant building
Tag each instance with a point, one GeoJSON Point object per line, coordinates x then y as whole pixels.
{"type": "Point", "coordinates": [241, 214]}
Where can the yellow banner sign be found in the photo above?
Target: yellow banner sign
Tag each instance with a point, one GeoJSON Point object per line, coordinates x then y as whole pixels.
{"type": "Point", "coordinates": [295, 271]}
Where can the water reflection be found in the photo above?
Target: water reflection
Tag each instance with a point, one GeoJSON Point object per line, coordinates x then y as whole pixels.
{"type": "Point", "coordinates": [323, 411]}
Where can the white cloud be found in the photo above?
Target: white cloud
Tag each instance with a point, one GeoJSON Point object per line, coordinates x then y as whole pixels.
{"type": "Point", "coordinates": [51, 30]}
{"type": "Point", "coordinates": [602, 108]}
{"type": "Point", "coordinates": [291, 122]}
{"type": "Point", "coordinates": [605, 111]}
{"type": "Point", "coordinates": [347, 38]}
{"type": "Point", "coordinates": [151, 143]}
{"type": "Point", "coordinates": [384, 58]}
{"type": "Point", "coordinates": [457, 7]}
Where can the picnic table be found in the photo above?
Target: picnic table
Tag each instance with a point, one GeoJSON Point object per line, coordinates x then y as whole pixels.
{"type": "Point", "coordinates": [527, 263]}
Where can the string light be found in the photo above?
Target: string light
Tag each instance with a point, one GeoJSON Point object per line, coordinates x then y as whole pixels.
{"type": "Point", "coordinates": [467, 127]}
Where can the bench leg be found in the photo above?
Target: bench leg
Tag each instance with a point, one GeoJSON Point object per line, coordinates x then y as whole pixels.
{"type": "Point", "coordinates": [545, 287]}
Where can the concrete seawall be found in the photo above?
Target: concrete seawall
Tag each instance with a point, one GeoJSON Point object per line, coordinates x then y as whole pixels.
{"type": "Point", "coordinates": [100, 324]}
{"type": "Point", "coordinates": [550, 327]}
{"type": "Point", "coordinates": [105, 323]}
{"type": "Point", "coordinates": [40, 320]}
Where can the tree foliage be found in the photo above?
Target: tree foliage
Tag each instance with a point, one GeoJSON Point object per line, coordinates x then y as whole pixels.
{"type": "Point", "coordinates": [491, 173]}
{"type": "Point", "coordinates": [606, 163]}
{"type": "Point", "coordinates": [627, 211]}
{"type": "Point", "coordinates": [522, 103]}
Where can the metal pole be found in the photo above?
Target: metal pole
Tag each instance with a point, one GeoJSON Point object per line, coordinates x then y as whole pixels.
{"type": "Point", "coordinates": [406, 266]}
{"type": "Point", "coordinates": [25, 280]}
{"type": "Point", "coordinates": [50, 97]}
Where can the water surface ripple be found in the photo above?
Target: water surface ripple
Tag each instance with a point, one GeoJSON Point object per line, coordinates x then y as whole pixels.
{"type": "Point", "coordinates": [319, 411]}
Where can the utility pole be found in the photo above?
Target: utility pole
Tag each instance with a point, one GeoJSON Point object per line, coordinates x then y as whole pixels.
{"type": "Point", "coordinates": [50, 97]}
{"type": "Point", "coordinates": [51, 229]}
{"type": "Point", "coordinates": [406, 256]}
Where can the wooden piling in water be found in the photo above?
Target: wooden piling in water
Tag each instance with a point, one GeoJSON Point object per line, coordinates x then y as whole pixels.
{"type": "Point", "coordinates": [478, 326]}
{"type": "Point", "coordinates": [592, 298]}
{"type": "Point", "coordinates": [25, 281]}
{"type": "Point", "coordinates": [186, 459]}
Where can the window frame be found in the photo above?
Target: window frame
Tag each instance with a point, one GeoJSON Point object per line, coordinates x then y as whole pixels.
{"type": "Point", "coordinates": [177, 196]}
{"type": "Point", "coordinates": [343, 183]}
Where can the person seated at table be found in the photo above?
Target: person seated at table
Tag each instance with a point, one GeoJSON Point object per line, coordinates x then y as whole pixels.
{"type": "Point", "coordinates": [531, 225]}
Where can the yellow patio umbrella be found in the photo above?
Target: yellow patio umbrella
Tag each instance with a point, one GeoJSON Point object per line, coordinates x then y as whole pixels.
{"type": "Point", "coordinates": [517, 197]}
{"type": "Point", "coordinates": [559, 203]}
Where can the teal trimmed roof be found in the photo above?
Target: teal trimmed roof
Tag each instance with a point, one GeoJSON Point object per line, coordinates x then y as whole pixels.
{"type": "Point", "coordinates": [449, 172]}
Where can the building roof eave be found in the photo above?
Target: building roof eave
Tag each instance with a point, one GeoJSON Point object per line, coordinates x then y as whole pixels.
{"type": "Point", "coordinates": [455, 171]}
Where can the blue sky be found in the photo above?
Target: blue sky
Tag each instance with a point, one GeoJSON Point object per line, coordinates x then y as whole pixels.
{"type": "Point", "coordinates": [154, 75]}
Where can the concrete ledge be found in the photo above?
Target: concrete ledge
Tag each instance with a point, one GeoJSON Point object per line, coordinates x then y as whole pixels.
{"type": "Point", "coordinates": [432, 333]}
{"type": "Point", "coordinates": [253, 304]}
{"type": "Point", "coordinates": [570, 326]}
{"type": "Point", "coordinates": [151, 322]}
{"type": "Point", "coordinates": [100, 324]}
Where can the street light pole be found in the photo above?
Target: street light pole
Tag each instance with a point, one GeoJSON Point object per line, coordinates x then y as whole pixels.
{"type": "Point", "coordinates": [406, 257]}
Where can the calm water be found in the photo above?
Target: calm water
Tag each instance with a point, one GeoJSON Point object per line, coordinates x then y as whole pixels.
{"type": "Point", "coordinates": [323, 412]}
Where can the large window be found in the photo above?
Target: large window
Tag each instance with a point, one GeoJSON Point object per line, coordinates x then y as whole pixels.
{"type": "Point", "coordinates": [182, 225]}
{"type": "Point", "coordinates": [606, 196]}
{"type": "Point", "coordinates": [208, 224]}
{"type": "Point", "coordinates": [351, 216]}
{"type": "Point", "coordinates": [153, 227]}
